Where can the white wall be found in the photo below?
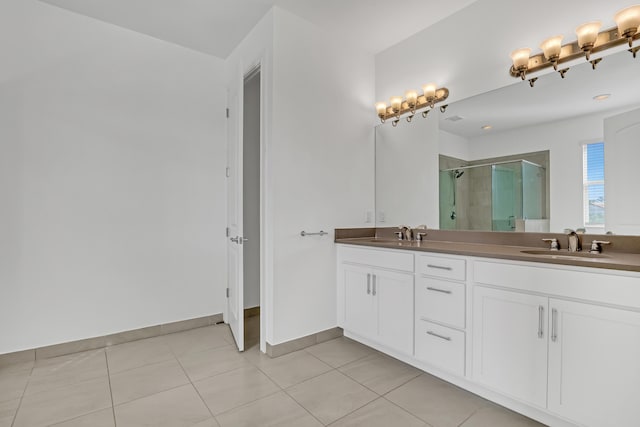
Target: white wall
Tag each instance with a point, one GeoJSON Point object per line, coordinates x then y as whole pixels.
{"type": "Point", "coordinates": [453, 145]}
{"type": "Point", "coordinates": [318, 163]}
{"type": "Point", "coordinates": [321, 167]}
{"type": "Point", "coordinates": [564, 141]}
{"type": "Point", "coordinates": [111, 179]}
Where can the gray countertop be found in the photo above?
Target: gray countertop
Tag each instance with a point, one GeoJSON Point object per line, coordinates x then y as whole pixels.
{"type": "Point", "coordinates": [611, 260]}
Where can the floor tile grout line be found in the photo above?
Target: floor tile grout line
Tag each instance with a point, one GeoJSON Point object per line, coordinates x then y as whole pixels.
{"type": "Point", "coordinates": [144, 366]}
{"type": "Point", "coordinates": [197, 391]}
{"type": "Point", "coordinates": [303, 407]}
{"type": "Point", "coordinates": [248, 403]}
{"type": "Point", "coordinates": [339, 372]}
{"type": "Point", "coordinates": [113, 407]}
{"type": "Point", "coordinates": [24, 390]}
{"type": "Point", "coordinates": [406, 410]}
{"type": "Point", "coordinates": [400, 385]}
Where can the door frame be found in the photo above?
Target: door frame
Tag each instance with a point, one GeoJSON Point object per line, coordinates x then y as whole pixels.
{"type": "Point", "coordinates": [266, 239]}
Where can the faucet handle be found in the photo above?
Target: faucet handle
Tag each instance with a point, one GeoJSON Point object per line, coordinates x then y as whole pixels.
{"type": "Point", "coordinates": [400, 235]}
{"type": "Point", "coordinates": [554, 243]}
{"type": "Point", "coordinates": [596, 247]}
{"type": "Point", "coordinates": [420, 236]}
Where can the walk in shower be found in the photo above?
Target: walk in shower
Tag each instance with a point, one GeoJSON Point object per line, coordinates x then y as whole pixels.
{"type": "Point", "coordinates": [500, 196]}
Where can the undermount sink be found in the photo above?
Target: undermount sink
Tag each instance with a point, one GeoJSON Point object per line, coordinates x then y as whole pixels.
{"type": "Point", "coordinates": [564, 254]}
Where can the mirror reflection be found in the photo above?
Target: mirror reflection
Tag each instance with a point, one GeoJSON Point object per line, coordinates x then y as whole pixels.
{"type": "Point", "coordinates": [561, 119]}
{"type": "Point", "coordinates": [494, 194]}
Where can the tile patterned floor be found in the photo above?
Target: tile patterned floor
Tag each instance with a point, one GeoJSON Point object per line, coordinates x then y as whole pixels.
{"type": "Point", "coordinates": [197, 379]}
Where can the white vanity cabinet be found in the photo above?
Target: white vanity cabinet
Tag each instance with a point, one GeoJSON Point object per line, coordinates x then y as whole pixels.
{"type": "Point", "coordinates": [440, 312]}
{"type": "Point", "coordinates": [594, 364]}
{"type": "Point", "coordinates": [558, 343]}
{"type": "Point", "coordinates": [375, 301]}
{"type": "Point", "coordinates": [562, 339]}
{"type": "Point", "coordinates": [510, 343]}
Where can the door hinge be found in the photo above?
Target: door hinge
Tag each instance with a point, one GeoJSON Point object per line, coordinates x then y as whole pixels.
{"type": "Point", "coordinates": [227, 113]}
{"type": "Point", "coordinates": [227, 231]}
{"type": "Point", "coordinates": [227, 292]}
{"type": "Point", "coordinates": [228, 172]}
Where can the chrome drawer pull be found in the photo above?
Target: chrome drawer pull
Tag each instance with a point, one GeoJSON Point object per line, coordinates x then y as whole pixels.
{"type": "Point", "coordinates": [374, 286]}
{"type": "Point", "coordinates": [368, 283]}
{"type": "Point", "coordinates": [444, 291]}
{"type": "Point", "coordinates": [442, 337]}
{"type": "Point", "coordinates": [554, 325]}
{"type": "Point", "coordinates": [440, 267]}
{"type": "Point", "coordinates": [540, 321]}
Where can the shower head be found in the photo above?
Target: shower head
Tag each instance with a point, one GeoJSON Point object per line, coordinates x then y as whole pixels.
{"type": "Point", "coordinates": [458, 173]}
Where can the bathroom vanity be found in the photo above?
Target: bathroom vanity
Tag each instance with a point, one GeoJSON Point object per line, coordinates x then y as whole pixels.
{"type": "Point", "coordinates": [554, 337]}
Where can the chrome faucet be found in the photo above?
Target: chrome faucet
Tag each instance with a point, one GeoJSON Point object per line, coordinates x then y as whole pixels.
{"type": "Point", "coordinates": [596, 247]}
{"type": "Point", "coordinates": [573, 244]}
{"type": "Point", "coordinates": [554, 244]}
{"type": "Point", "coordinates": [404, 233]}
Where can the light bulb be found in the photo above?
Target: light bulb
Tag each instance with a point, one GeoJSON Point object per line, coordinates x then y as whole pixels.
{"type": "Point", "coordinates": [520, 58]}
{"type": "Point", "coordinates": [628, 20]}
{"type": "Point", "coordinates": [429, 91]}
{"type": "Point", "coordinates": [588, 34]}
{"type": "Point", "coordinates": [381, 108]}
{"type": "Point", "coordinates": [551, 47]}
{"type": "Point", "coordinates": [396, 103]}
{"type": "Point", "coordinates": [412, 98]}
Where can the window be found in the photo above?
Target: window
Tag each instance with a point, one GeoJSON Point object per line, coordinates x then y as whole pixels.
{"type": "Point", "coordinates": [593, 184]}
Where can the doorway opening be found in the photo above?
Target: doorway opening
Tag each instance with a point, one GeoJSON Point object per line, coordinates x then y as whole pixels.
{"type": "Point", "coordinates": [251, 173]}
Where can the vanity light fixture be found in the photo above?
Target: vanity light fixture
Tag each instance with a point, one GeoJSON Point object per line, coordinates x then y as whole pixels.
{"type": "Point", "coordinates": [590, 40]}
{"type": "Point", "coordinates": [412, 102]}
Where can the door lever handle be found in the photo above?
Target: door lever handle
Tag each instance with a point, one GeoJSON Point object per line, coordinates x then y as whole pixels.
{"type": "Point", "coordinates": [235, 239]}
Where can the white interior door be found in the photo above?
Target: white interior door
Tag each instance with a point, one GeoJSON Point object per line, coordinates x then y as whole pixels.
{"type": "Point", "coordinates": [235, 282]}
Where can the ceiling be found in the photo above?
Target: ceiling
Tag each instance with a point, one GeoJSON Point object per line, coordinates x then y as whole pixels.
{"type": "Point", "coordinates": [216, 27]}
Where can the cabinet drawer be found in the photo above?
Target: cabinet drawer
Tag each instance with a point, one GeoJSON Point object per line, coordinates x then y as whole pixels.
{"type": "Point", "coordinates": [394, 260]}
{"type": "Point", "coordinates": [443, 267]}
{"type": "Point", "coordinates": [440, 346]}
{"type": "Point", "coordinates": [441, 300]}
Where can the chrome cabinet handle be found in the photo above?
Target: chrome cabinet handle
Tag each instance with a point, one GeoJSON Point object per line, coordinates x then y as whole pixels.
{"type": "Point", "coordinates": [540, 321]}
{"type": "Point", "coordinates": [444, 291]}
{"type": "Point", "coordinates": [440, 267]}
{"type": "Point", "coordinates": [374, 285]}
{"type": "Point", "coordinates": [442, 337]}
{"type": "Point", "coordinates": [368, 283]}
{"type": "Point", "coordinates": [554, 325]}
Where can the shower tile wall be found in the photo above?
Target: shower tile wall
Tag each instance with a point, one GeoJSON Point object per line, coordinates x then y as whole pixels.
{"type": "Point", "coordinates": [479, 188]}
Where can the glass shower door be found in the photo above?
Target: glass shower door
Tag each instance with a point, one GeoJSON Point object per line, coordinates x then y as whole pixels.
{"type": "Point", "coordinates": [506, 206]}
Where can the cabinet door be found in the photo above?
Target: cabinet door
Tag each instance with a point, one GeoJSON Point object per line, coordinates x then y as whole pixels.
{"type": "Point", "coordinates": [394, 301]}
{"type": "Point", "coordinates": [594, 364]}
{"type": "Point", "coordinates": [510, 343]}
{"type": "Point", "coordinates": [359, 309]}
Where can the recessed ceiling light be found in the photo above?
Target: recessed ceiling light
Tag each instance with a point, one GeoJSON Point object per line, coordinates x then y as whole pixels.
{"type": "Point", "coordinates": [486, 127]}
{"type": "Point", "coordinates": [602, 97]}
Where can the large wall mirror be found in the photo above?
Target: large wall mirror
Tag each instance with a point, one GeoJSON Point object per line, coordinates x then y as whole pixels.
{"type": "Point", "coordinates": [527, 153]}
